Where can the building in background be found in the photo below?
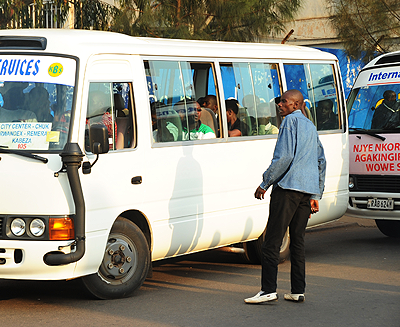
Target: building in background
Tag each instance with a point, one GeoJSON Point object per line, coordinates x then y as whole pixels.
{"type": "Point", "coordinates": [312, 27]}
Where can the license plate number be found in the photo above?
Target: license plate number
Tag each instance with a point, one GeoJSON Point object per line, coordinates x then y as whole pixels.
{"type": "Point", "coordinates": [383, 204]}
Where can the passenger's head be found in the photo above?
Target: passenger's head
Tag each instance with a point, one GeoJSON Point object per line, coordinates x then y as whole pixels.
{"type": "Point", "coordinates": [98, 103]}
{"type": "Point", "coordinates": [291, 100]}
{"type": "Point", "coordinates": [232, 109]}
{"type": "Point", "coordinates": [39, 101]}
{"type": "Point", "coordinates": [389, 97]}
{"type": "Point", "coordinates": [324, 108]}
{"type": "Point", "coordinates": [211, 103]}
{"type": "Point", "coordinates": [202, 101]}
{"type": "Point", "coordinates": [251, 102]}
{"type": "Point", "coordinates": [188, 109]}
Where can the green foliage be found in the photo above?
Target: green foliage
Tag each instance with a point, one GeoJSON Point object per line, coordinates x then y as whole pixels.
{"type": "Point", "coordinates": [367, 27]}
{"type": "Point", "coordinates": [229, 20]}
{"type": "Point", "coordinates": [93, 14]}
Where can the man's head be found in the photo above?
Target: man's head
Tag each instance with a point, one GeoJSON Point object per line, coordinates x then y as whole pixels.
{"type": "Point", "coordinates": [389, 97]}
{"type": "Point", "coordinates": [232, 109]}
{"type": "Point", "coordinates": [291, 100]}
{"type": "Point", "coordinates": [324, 108]}
{"type": "Point", "coordinates": [211, 103]}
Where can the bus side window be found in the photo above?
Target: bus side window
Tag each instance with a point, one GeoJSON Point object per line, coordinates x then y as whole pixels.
{"type": "Point", "coordinates": [175, 114]}
{"type": "Point", "coordinates": [318, 85]}
{"type": "Point", "coordinates": [255, 86]}
{"type": "Point", "coordinates": [110, 104]}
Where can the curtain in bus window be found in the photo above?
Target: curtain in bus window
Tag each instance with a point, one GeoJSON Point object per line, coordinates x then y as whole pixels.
{"type": "Point", "coordinates": [257, 84]}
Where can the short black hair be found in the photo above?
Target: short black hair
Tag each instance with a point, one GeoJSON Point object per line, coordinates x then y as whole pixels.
{"type": "Point", "coordinates": [232, 104]}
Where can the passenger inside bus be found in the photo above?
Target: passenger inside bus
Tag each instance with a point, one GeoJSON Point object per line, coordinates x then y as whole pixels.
{"type": "Point", "coordinates": [326, 118]}
{"type": "Point", "coordinates": [386, 115]}
{"type": "Point", "coordinates": [163, 129]}
{"type": "Point", "coordinates": [209, 104]}
{"type": "Point", "coordinates": [265, 125]}
{"type": "Point", "coordinates": [192, 127]}
{"type": "Point", "coordinates": [100, 112]}
{"type": "Point", "coordinates": [235, 126]}
{"type": "Point", "coordinates": [39, 103]}
{"type": "Point", "coordinates": [14, 104]}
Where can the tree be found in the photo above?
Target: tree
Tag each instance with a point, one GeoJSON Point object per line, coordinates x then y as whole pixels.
{"type": "Point", "coordinates": [93, 14]}
{"type": "Point", "coordinates": [367, 27]}
{"type": "Point", "coordinates": [229, 20]}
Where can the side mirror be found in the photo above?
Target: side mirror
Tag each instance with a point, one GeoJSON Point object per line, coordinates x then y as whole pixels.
{"type": "Point", "coordinates": [98, 136]}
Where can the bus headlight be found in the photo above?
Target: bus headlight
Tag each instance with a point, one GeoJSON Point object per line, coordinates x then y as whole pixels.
{"type": "Point", "coordinates": [351, 182]}
{"type": "Point", "coordinates": [37, 227]}
{"type": "Point", "coordinates": [18, 227]}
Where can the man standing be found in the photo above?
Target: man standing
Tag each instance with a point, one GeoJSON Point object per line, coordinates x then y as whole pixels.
{"type": "Point", "coordinates": [297, 174]}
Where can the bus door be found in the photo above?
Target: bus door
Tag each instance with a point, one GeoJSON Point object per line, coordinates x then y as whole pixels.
{"type": "Point", "coordinates": [113, 183]}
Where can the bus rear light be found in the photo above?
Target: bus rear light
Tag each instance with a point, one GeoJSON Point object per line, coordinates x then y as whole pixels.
{"type": "Point", "coordinates": [61, 229]}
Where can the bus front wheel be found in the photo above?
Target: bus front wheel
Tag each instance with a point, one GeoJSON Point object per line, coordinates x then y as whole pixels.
{"type": "Point", "coordinates": [389, 228]}
{"type": "Point", "coordinates": [125, 264]}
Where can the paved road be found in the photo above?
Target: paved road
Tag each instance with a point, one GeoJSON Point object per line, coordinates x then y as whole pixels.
{"type": "Point", "coordinates": [353, 279]}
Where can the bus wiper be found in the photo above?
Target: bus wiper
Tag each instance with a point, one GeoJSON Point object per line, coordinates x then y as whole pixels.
{"type": "Point", "coordinates": [367, 131]}
{"type": "Point", "coordinates": [4, 149]}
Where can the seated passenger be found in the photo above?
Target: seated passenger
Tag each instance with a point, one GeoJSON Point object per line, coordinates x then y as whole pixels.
{"type": "Point", "coordinates": [13, 109]}
{"type": "Point", "coordinates": [235, 126]}
{"type": "Point", "coordinates": [386, 115]}
{"type": "Point", "coordinates": [39, 103]}
{"type": "Point", "coordinates": [264, 124]}
{"type": "Point", "coordinates": [326, 118]}
{"type": "Point", "coordinates": [211, 103]}
{"type": "Point", "coordinates": [163, 130]}
{"type": "Point", "coordinates": [192, 128]}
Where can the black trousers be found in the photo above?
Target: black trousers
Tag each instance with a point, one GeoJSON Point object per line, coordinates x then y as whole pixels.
{"type": "Point", "coordinates": [291, 209]}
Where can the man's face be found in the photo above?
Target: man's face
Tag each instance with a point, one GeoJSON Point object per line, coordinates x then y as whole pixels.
{"type": "Point", "coordinates": [287, 105]}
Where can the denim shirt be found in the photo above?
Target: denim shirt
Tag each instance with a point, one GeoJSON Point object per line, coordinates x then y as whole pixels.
{"type": "Point", "coordinates": [299, 162]}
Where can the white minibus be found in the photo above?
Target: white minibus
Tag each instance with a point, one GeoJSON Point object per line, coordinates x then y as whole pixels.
{"type": "Point", "coordinates": [115, 150]}
{"type": "Point", "coordinates": [374, 123]}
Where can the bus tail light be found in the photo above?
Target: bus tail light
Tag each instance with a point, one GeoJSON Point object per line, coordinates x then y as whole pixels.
{"type": "Point", "coordinates": [61, 229]}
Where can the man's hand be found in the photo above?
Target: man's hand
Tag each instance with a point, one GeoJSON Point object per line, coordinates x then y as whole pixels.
{"type": "Point", "coordinates": [259, 193]}
{"type": "Point", "coordinates": [314, 207]}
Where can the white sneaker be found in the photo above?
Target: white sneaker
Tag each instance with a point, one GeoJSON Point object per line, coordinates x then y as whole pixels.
{"type": "Point", "coordinates": [261, 297]}
{"type": "Point", "coordinates": [294, 297]}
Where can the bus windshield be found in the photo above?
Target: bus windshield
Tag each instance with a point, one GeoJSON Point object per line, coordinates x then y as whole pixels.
{"type": "Point", "coordinates": [375, 107]}
{"type": "Point", "coordinates": [36, 96]}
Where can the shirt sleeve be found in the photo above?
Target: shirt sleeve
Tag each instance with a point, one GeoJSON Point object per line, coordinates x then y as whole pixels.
{"type": "Point", "coordinates": [283, 157]}
{"type": "Point", "coordinates": [321, 171]}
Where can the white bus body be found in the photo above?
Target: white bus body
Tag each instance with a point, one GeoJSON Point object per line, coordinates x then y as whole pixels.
{"type": "Point", "coordinates": [374, 144]}
{"type": "Point", "coordinates": [155, 194]}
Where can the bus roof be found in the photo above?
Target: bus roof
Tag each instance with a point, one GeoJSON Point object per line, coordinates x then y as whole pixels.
{"type": "Point", "coordinates": [78, 42]}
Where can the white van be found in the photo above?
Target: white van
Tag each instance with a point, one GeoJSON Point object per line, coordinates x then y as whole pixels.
{"type": "Point", "coordinates": [108, 162]}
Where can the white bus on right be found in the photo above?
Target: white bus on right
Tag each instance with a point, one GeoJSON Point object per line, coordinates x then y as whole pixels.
{"type": "Point", "coordinates": [374, 135]}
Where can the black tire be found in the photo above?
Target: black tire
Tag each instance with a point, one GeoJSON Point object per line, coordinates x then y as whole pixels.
{"type": "Point", "coordinates": [125, 264]}
{"type": "Point", "coordinates": [389, 228]}
{"type": "Point", "coordinates": [253, 249]}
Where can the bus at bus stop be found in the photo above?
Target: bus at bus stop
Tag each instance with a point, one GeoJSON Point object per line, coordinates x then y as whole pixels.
{"type": "Point", "coordinates": [108, 162]}
{"type": "Point", "coordinates": [374, 123]}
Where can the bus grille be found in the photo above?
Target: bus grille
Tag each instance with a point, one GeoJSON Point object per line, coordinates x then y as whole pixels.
{"type": "Point", "coordinates": [1, 227]}
{"type": "Point", "coordinates": [373, 183]}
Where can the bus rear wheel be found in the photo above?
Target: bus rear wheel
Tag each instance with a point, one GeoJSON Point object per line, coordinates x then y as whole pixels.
{"type": "Point", "coordinates": [125, 264]}
{"type": "Point", "coordinates": [389, 228]}
{"type": "Point", "coordinates": [253, 249]}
